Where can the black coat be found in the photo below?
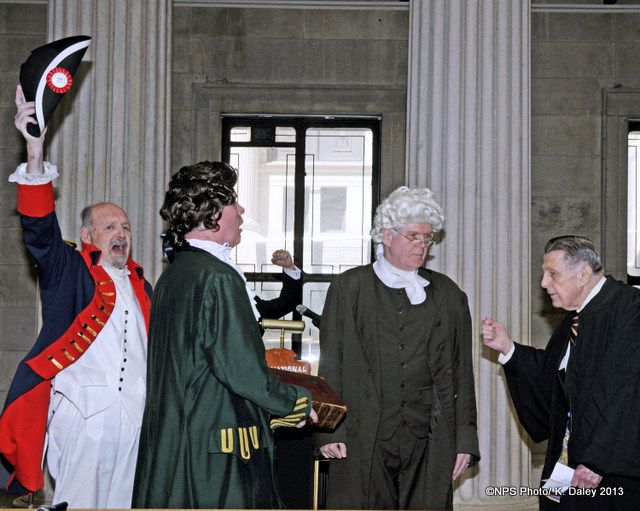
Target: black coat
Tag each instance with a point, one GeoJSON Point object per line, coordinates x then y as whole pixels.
{"type": "Point", "coordinates": [206, 439]}
{"type": "Point", "coordinates": [290, 296]}
{"type": "Point", "coordinates": [602, 384]}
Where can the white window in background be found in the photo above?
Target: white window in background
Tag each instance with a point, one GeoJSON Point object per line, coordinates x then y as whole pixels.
{"type": "Point", "coordinates": [337, 176]}
{"type": "Point", "coordinates": [333, 205]}
{"type": "Point", "coordinates": [633, 202]}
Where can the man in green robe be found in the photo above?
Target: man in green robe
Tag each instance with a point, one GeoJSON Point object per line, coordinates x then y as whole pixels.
{"type": "Point", "coordinates": [206, 439]}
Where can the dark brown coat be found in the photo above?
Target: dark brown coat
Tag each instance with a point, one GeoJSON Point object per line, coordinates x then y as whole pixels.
{"type": "Point", "coordinates": [350, 362]}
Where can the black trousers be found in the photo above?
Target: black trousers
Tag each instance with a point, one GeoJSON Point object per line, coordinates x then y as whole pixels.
{"type": "Point", "coordinates": [398, 471]}
{"type": "Point", "coordinates": [294, 467]}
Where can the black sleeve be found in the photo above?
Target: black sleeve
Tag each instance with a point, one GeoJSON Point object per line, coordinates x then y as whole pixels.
{"type": "Point", "coordinates": [531, 376]}
{"type": "Point", "coordinates": [290, 296]}
{"type": "Point", "coordinates": [44, 241]}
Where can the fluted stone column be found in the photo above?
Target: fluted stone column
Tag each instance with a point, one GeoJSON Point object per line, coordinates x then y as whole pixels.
{"type": "Point", "coordinates": [468, 140]}
{"type": "Point", "coordinates": [112, 140]}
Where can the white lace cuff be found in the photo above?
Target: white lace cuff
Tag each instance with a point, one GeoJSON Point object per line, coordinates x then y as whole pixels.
{"type": "Point", "coordinates": [21, 176]}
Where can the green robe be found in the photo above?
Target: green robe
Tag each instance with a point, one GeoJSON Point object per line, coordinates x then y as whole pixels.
{"type": "Point", "coordinates": [206, 440]}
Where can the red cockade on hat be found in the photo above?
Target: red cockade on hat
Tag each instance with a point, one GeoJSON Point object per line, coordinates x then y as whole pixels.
{"type": "Point", "coordinates": [48, 74]}
{"type": "Point", "coordinates": [59, 80]}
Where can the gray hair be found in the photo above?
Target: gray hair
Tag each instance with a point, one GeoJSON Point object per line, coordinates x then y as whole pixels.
{"type": "Point", "coordinates": [405, 206]}
{"type": "Point", "coordinates": [85, 217]}
{"type": "Point", "coordinates": [577, 249]}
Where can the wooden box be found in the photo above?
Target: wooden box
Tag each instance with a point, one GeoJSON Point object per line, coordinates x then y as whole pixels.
{"type": "Point", "coordinates": [329, 407]}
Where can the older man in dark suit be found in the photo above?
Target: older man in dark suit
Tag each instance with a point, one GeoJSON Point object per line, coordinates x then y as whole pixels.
{"type": "Point", "coordinates": [582, 392]}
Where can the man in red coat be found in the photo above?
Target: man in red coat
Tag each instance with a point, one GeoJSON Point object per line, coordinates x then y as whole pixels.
{"type": "Point", "coordinates": [82, 385]}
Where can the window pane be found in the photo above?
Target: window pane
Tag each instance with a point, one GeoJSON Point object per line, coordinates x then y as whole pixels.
{"type": "Point", "coordinates": [240, 134]}
{"type": "Point", "coordinates": [284, 134]}
{"type": "Point", "coordinates": [337, 214]}
{"type": "Point", "coordinates": [265, 189]}
{"type": "Point", "coordinates": [333, 204]}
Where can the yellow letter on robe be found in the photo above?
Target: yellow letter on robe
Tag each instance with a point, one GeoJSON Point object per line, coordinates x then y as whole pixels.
{"type": "Point", "coordinates": [253, 433]}
{"type": "Point", "coordinates": [245, 452]}
{"type": "Point", "coordinates": [226, 440]}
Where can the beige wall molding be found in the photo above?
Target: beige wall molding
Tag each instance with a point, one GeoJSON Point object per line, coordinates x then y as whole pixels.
{"type": "Point", "coordinates": [619, 106]}
{"type": "Point", "coordinates": [211, 100]}
{"type": "Point", "coordinates": [351, 5]}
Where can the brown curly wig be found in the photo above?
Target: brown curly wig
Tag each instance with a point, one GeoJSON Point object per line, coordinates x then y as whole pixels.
{"type": "Point", "coordinates": [197, 195]}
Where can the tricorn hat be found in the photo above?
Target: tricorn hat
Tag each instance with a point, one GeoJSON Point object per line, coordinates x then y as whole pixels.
{"type": "Point", "coordinates": [48, 74]}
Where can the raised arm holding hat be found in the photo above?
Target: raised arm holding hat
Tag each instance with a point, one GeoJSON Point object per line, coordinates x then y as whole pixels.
{"type": "Point", "coordinates": [78, 395]}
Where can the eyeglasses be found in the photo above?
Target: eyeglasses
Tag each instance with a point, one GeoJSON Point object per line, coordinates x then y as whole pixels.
{"type": "Point", "coordinates": [427, 239]}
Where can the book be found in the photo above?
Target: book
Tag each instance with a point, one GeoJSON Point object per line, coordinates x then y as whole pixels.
{"type": "Point", "coordinates": [327, 404]}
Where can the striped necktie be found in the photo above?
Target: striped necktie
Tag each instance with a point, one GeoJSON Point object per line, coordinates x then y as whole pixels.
{"type": "Point", "coordinates": [564, 454]}
{"type": "Point", "coordinates": [573, 331]}
{"type": "Point", "coordinates": [573, 336]}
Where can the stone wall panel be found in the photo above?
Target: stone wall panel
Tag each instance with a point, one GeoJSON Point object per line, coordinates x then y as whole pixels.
{"type": "Point", "coordinates": [8, 213]}
{"type": "Point", "coordinates": [18, 285]}
{"type": "Point", "coordinates": [356, 25]}
{"type": "Point", "coordinates": [627, 69]}
{"type": "Point", "coordinates": [18, 327]}
{"type": "Point", "coordinates": [566, 215]}
{"type": "Point", "coordinates": [565, 135]}
{"type": "Point", "coordinates": [573, 60]}
{"type": "Point", "coordinates": [580, 27]}
{"type": "Point", "coordinates": [566, 96]}
{"type": "Point", "coordinates": [571, 175]}
{"type": "Point", "coordinates": [627, 27]}
{"type": "Point", "coordinates": [23, 19]}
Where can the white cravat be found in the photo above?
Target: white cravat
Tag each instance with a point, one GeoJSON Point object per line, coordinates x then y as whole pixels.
{"type": "Point", "coordinates": [223, 252]}
{"type": "Point", "coordinates": [413, 284]}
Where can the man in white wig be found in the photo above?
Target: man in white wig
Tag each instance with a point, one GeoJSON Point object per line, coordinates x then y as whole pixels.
{"type": "Point", "coordinates": [396, 345]}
